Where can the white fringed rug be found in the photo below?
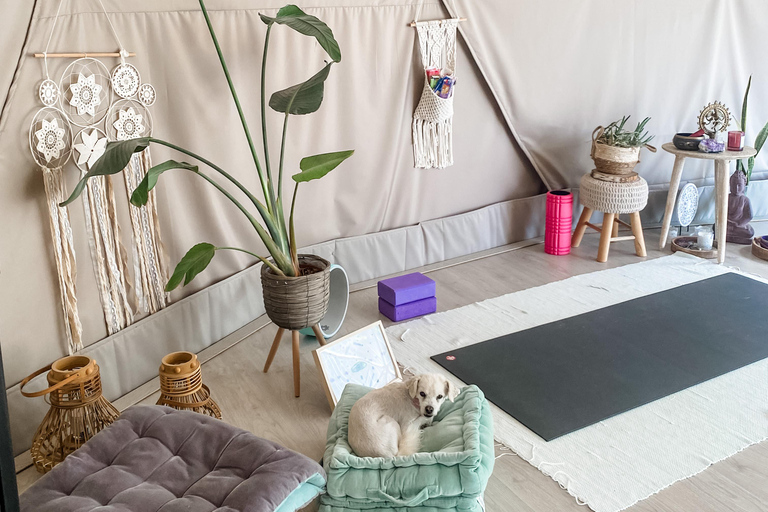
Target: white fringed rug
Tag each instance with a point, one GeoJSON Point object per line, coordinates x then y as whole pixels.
{"type": "Point", "coordinates": [615, 463]}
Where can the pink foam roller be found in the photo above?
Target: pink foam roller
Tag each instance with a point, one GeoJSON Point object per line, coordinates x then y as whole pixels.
{"type": "Point", "coordinates": [557, 231]}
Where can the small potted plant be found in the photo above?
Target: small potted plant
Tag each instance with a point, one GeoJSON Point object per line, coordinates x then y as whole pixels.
{"type": "Point", "coordinates": [616, 150]}
{"type": "Point", "coordinates": [295, 285]}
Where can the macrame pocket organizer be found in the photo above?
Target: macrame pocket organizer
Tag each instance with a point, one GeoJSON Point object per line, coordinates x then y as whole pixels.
{"type": "Point", "coordinates": [84, 98]}
{"type": "Point", "coordinates": [433, 118]}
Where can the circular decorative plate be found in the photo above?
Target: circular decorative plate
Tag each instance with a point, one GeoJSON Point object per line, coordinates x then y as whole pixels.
{"type": "Point", "coordinates": [50, 138]}
{"type": "Point", "coordinates": [85, 92]}
{"type": "Point", "coordinates": [128, 119]}
{"type": "Point", "coordinates": [126, 80]}
{"type": "Point", "coordinates": [147, 94]}
{"type": "Point", "coordinates": [48, 92]}
{"type": "Point", "coordinates": [687, 204]}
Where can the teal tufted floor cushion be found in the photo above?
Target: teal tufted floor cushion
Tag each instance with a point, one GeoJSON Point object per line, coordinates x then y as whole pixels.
{"type": "Point", "coordinates": [449, 473]}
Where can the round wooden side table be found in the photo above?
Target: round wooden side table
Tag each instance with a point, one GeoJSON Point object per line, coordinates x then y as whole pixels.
{"type": "Point", "coordinates": [721, 161]}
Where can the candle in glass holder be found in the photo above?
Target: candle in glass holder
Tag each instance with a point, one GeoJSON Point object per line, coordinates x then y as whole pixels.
{"type": "Point", "coordinates": [705, 238]}
{"type": "Point", "coordinates": [735, 141]}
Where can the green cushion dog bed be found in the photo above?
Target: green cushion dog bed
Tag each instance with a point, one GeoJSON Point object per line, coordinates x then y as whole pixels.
{"type": "Point", "coordinates": [449, 473]}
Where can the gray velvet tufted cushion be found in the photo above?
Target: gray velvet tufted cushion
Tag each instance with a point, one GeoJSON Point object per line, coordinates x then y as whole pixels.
{"type": "Point", "coordinates": [156, 459]}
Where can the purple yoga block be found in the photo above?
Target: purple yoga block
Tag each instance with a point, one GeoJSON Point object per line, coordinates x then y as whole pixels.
{"type": "Point", "coordinates": [408, 288]}
{"type": "Point", "coordinates": [407, 310]}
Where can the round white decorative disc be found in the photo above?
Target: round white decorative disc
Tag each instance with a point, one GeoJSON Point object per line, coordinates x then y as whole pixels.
{"type": "Point", "coordinates": [50, 138]}
{"type": "Point", "coordinates": [687, 204]}
{"type": "Point", "coordinates": [89, 145]}
{"type": "Point", "coordinates": [128, 119]}
{"type": "Point", "coordinates": [48, 92]}
{"type": "Point", "coordinates": [147, 94]}
{"type": "Point", "coordinates": [125, 80]}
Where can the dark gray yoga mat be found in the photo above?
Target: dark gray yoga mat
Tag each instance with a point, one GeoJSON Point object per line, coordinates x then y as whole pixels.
{"type": "Point", "coordinates": [566, 375]}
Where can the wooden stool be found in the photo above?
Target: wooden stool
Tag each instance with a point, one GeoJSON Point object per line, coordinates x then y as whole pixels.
{"type": "Point", "coordinates": [296, 354]}
{"type": "Point", "coordinates": [613, 199]}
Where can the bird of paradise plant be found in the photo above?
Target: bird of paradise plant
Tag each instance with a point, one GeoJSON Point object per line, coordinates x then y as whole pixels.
{"type": "Point", "coordinates": [762, 135]}
{"type": "Point", "coordinates": [300, 99]}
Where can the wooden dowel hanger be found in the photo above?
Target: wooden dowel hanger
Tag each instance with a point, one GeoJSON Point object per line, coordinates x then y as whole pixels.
{"type": "Point", "coordinates": [414, 23]}
{"type": "Point", "coordinates": [80, 55]}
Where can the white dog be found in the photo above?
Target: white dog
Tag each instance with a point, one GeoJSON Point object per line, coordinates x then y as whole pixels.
{"type": "Point", "coordinates": [387, 422]}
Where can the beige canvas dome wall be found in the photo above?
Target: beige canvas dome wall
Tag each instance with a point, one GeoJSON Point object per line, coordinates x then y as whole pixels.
{"type": "Point", "coordinates": [368, 103]}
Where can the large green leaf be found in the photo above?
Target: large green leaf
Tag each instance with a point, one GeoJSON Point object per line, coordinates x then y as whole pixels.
{"type": "Point", "coordinates": [115, 158]}
{"type": "Point", "coordinates": [314, 167]}
{"type": "Point", "coordinates": [303, 98]}
{"type": "Point", "coordinates": [194, 262]}
{"type": "Point", "coordinates": [309, 25]}
{"type": "Point", "coordinates": [744, 106]}
{"type": "Point", "coordinates": [140, 196]}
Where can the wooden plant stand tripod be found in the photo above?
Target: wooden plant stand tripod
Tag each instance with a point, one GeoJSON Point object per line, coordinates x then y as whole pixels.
{"type": "Point", "coordinates": [296, 354]}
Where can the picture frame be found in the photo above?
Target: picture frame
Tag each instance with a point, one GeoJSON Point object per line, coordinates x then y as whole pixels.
{"type": "Point", "coordinates": [362, 357]}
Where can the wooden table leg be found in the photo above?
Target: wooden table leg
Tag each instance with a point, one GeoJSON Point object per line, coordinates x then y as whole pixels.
{"type": "Point", "coordinates": [674, 184]}
{"type": "Point", "coordinates": [318, 334]}
{"type": "Point", "coordinates": [296, 364]}
{"type": "Point", "coordinates": [273, 350]}
{"type": "Point", "coordinates": [605, 237]}
{"type": "Point", "coordinates": [615, 230]}
{"type": "Point", "coordinates": [637, 230]}
{"type": "Point", "coordinates": [581, 227]}
{"type": "Point", "coordinates": [721, 207]}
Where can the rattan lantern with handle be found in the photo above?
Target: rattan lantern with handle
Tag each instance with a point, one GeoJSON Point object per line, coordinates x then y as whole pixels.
{"type": "Point", "coordinates": [181, 385]}
{"type": "Point", "coordinates": [78, 409]}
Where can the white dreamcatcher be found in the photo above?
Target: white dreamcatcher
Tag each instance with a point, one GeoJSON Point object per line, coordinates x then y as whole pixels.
{"type": "Point", "coordinates": [84, 97]}
{"type": "Point", "coordinates": [433, 117]}
{"type": "Point", "coordinates": [50, 140]}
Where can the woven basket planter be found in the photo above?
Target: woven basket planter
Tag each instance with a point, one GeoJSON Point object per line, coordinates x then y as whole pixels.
{"type": "Point", "coordinates": [615, 160]}
{"type": "Point", "coordinates": [78, 410]}
{"type": "Point", "coordinates": [296, 303]}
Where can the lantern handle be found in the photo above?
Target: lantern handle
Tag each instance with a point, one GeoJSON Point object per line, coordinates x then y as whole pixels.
{"type": "Point", "coordinates": [56, 386]}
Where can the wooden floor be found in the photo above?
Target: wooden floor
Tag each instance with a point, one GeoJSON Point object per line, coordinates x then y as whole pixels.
{"type": "Point", "coordinates": [264, 403]}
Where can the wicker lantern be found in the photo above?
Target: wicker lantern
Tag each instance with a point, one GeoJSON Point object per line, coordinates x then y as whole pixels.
{"type": "Point", "coordinates": [181, 385]}
{"type": "Point", "coordinates": [78, 410]}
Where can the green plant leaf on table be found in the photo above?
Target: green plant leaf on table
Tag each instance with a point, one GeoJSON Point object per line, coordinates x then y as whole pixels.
{"type": "Point", "coordinates": [744, 106]}
{"type": "Point", "coordinates": [293, 17]}
{"type": "Point", "coordinates": [140, 196]}
{"type": "Point", "coordinates": [194, 262]}
{"type": "Point", "coordinates": [317, 166]}
{"type": "Point", "coordinates": [762, 135]}
{"type": "Point", "coordinates": [116, 157]}
{"type": "Point", "coordinates": [303, 98]}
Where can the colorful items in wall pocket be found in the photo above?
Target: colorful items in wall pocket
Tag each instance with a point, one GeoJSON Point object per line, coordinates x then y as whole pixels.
{"type": "Point", "coordinates": [441, 82]}
{"type": "Point", "coordinates": [407, 296]}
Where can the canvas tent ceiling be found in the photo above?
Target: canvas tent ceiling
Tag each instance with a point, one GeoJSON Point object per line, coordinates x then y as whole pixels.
{"type": "Point", "coordinates": [535, 79]}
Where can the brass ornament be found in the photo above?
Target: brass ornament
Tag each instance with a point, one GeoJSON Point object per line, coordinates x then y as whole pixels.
{"type": "Point", "coordinates": [714, 118]}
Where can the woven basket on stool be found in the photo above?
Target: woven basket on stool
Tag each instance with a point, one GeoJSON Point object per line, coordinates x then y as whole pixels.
{"type": "Point", "coordinates": [78, 410]}
{"type": "Point", "coordinates": [181, 385]}
{"type": "Point", "coordinates": [295, 303]}
{"type": "Point", "coordinates": [612, 198]}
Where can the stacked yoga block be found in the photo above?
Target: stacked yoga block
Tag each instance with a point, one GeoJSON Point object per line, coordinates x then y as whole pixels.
{"type": "Point", "coordinates": [408, 296]}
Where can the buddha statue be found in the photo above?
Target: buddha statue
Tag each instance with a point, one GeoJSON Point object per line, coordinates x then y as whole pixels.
{"type": "Point", "coordinates": [739, 212]}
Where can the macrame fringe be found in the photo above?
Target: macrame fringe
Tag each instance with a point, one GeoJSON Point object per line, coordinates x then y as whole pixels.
{"type": "Point", "coordinates": [433, 143]}
{"type": "Point", "coordinates": [110, 262]}
{"type": "Point", "coordinates": [64, 254]}
{"type": "Point", "coordinates": [149, 260]}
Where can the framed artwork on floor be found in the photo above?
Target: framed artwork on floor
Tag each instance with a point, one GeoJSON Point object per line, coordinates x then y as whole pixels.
{"type": "Point", "coordinates": [363, 357]}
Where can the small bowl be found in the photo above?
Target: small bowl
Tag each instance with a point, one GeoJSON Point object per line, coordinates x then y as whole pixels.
{"type": "Point", "coordinates": [764, 241]}
{"type": "Point", "coordinates": [685, 142]}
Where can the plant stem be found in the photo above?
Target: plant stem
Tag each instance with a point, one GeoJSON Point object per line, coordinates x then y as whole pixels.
{"type": "Point", "coordinates": [237, 104]}
{"type": "Point", "coordinates": [264, 115]}
{"type": "Point", "coordinates": [268, 219]}
{"type": "Point", "coordinates": [294, 249]}
{"type": "Point", "coordinates": [268, 242]}
{"type": "Point", "coordinates": [263, 260]}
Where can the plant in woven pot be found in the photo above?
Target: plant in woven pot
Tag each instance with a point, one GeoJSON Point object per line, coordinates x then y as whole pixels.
{"type": "Point", "coordinates": [296, 287]}
{"type": "Point", "coordinates": [616, 150]}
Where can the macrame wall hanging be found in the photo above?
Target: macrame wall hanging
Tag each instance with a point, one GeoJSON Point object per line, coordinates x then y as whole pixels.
{"type": "Point", "coordinates": [433, 117]}
{"type": "Point", "coordinates": [84, 98]}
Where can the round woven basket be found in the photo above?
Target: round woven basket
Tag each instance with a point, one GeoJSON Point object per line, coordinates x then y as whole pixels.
{"type": "Point", "coordinates": [181, 385]}
{"type": "Point", "coordinates": [615, 160]}
{"type": "Point", "coordinates": [78, 410]}
{"type": "Point", "coordinates": [296, 303]}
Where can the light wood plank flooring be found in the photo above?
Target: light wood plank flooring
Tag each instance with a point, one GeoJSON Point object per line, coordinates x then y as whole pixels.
{"type": "Point", "coordinates": [264, 403]}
